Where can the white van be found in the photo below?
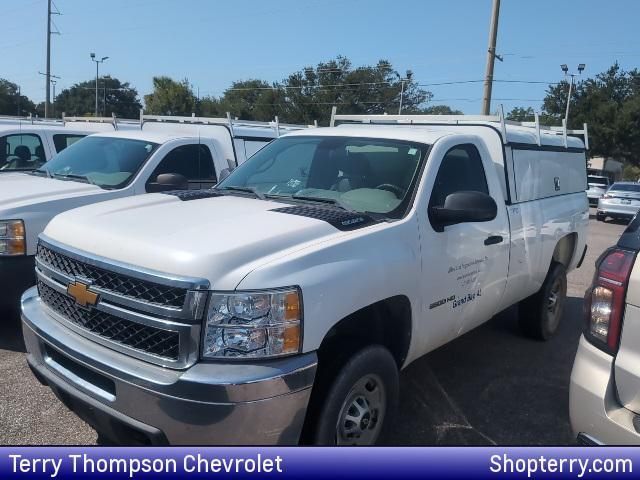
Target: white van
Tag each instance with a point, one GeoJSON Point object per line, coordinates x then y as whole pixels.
{"type": "Point", "coordinates": [161, 153]}
{"type": "Point", "coordinates": [279, 306]}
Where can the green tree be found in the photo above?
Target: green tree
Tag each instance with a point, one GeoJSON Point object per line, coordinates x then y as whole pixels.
{"type": "Point", "coordinates": [251, 100]}
{"type": "Point", "coordinates": [170, 97]}
{"type": "Point", "coordinates": [209, 107]}
{"type": "Point", "coordinates": [440, 110]}
{"type": "Point", "coordinates": [114, 97]}
{"type": "Point", "coordinates": [610, 104]}
{"type": "Point", "coordinates": [521, 114]}
{"type": "Point", "coordinates": [308, 94]}
{"type": "Point", "coordinates": [12, 102]}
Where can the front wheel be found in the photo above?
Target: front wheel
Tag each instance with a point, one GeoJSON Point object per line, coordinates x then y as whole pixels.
{"type": "Point", "coordinates": [540, 314]}
{"type": "Point", "coordinates": [600, 217]}
{"type": "Point", "coordinates": [358, 404]}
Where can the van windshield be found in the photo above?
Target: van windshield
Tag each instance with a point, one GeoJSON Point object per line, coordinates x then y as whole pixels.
{"type": "Point", "coordinates": [360, 174]}
{"type": "Point", "coordinates": [107, 162]}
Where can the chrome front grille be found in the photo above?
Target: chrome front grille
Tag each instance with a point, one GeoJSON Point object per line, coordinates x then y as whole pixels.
{"type": "Point", "coordinates": [115, 282]}
{"type": "Point", "coordinates": [142, 313]}
{"type": "Point", "coordinates": [151, 340]}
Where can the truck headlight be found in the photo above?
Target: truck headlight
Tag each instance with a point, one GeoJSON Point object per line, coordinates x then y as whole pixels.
{"type": "Point", "coordinates": [12, 238]}
{"type": "Point", "coordinates": [253, 324]}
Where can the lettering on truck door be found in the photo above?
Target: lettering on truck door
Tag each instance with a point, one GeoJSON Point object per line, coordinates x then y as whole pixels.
{"type": "Point", "coordinates": [464, 265]}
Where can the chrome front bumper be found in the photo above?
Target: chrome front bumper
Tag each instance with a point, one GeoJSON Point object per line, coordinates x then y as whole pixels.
{"type": "Point", "coordinates": [132, 400]}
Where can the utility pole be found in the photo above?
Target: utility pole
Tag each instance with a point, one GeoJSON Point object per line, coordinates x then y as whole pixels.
{"type": "Point", "coordinates": [48, 70]}
{"type": "Point", "coordinates": [491, 56]}
{"type": "Point", "coordinates": [47, 102]}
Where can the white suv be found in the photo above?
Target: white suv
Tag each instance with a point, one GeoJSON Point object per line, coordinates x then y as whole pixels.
{"type": "Point", "coordinates": [605, 382]}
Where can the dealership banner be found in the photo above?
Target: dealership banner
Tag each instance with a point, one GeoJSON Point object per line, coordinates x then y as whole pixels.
{"type": "Point", "coordinates": [308, 463]}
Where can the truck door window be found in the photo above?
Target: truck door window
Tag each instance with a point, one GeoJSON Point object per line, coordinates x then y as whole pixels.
{"type": "Point", "coordinates": [191, 161]}
{"type": "Point", "coordinates": [64, 140]}
{"type": "Point", "coordinates": [21, 152]}
{"type": "Point", "coordinates": [461, 170]}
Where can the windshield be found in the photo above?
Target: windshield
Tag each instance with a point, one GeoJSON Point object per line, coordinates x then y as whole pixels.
{"type": "Point", "coordinates": [625, 187]}
{"type": "Point", "coordinates": [360, 174]}
{"type": "Point", "coordinates": [597, 181]}
{"type": "Point", "coordinates": [108, 162]}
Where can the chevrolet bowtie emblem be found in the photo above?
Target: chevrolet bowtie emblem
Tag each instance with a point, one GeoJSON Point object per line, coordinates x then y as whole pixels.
{"type": "Point", "coordinates": [80, 293]}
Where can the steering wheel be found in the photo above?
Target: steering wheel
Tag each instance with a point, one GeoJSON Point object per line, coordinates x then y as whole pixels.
{"type": "Point", "coordinates": [390, 187]}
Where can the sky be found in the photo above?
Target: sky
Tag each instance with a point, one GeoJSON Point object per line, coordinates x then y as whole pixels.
{"type": "Point", "coordinates": [214, 42]}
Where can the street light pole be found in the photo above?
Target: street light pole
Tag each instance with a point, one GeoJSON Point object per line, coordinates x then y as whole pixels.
{"type": "Point", "coordinates": [565, 69]}
{"type": "Point", "coordinates": [98, 62]}
{"type": "Point", "coordinates": [402, 80]}
{"type": "Point", "coordinates": [53, 102]}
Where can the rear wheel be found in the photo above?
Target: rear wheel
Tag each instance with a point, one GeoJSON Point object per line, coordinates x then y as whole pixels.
{"type": "Point", "coordinates": [540, 314]}
{"type": "Point", "coordinates": [600, 217]}
{"type": "Point", "coordinates": [355, 406]}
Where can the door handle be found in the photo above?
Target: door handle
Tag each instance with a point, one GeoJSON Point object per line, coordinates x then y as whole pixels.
{"type": "Point", "coordinates": [493, 239]}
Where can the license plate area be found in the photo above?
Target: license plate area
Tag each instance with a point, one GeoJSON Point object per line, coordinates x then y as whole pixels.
{"type": "Point", "coordinates": [81, 375]}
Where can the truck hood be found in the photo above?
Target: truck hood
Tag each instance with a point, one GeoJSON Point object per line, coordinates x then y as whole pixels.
{"type": "Point", "coordinates": [220, 239]}
{"type": "Point", "coordinates": [21, 189]}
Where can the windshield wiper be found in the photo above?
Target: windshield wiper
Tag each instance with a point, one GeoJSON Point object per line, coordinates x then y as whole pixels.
{"type": "Point", "coordinates": [41, 171]}
{"type": "Point", "coordinates": [332, 201]}
{"type": "Point", "coordinates": [73, 176]}
{"type": "Point", "coordinates": [253, 190]}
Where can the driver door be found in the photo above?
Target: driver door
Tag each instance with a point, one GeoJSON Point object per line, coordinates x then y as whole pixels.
{"type": "Point", "coordinates": [464, 266]}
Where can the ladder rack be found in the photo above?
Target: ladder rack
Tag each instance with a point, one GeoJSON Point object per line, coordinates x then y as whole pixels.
{"type": "Point", "coordinates": [232, 123]}
{"type": "Point", "coordinates": [498, 119]}
{"type": "Point", "coordinates": [113, 120]}
{"type": "Point", "coordinates": [31, 119]}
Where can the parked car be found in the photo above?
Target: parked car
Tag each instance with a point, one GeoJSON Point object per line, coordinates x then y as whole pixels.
{"type": "Point", "coordinates": [279, 306]}
{"type": "Point", "coordinates": [605, 382]}
{"type": "Point", "coordinates": [596, 188]}
{"type": "Point", "coordinates": [621, 201]}
{"type": "Point", "coordinates": [166, 153]}
{"type": "Point", "coordinates": [26, 144]}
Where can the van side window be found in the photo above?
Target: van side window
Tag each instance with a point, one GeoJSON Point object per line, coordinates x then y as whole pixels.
{"type": "Point", "coordinates": [193, 162]}
{"type": "Point", "coordinates": [461, 170]}
{"type": "Point", "coordinates": [21, 151]}
{"type": "Point", "coordinates": [64, 140]}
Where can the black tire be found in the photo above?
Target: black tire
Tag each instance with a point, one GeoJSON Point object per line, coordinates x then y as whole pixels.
{"type": "Point", "coordinates": [600, 217]}
{"type": "Point", "coordinates": [365, 388]}
{"type": "Point", "coordinates": [540, 314]}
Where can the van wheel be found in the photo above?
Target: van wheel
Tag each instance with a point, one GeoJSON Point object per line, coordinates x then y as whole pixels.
{"type": "Point", "coordinates": [356, 407]}
{"type": "Point", "coordinates": [600, 217]}
{"type": "Point", "coordinates": [540, 314]}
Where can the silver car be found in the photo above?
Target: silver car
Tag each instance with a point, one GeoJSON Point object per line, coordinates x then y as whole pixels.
{"type": "Point", "coordinates": [622, 200]}
{"type": "Point", "coordinates": [597, 186]}
{"type": "Point", "coordinates": [604, 392]}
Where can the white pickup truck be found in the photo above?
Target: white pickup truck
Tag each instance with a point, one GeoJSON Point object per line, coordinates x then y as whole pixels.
{"type": "Point", "coordinates": [162, 153]}
{"type": "Point", "coordinates": [26, 143]}
{"type": "Point", "coordinates": [280, 306]}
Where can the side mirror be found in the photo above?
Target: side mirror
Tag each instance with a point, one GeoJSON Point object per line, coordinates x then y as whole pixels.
{"type": "Point", "coordinates": [224, 173]}
{"type": "Point", "coordinates": [168, 181]}
{"type": "Point", "coordinates": [463, 207]}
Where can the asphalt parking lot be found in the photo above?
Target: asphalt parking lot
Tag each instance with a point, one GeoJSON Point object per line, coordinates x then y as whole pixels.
{"type": "Point", "coordinates": [491, 386]}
